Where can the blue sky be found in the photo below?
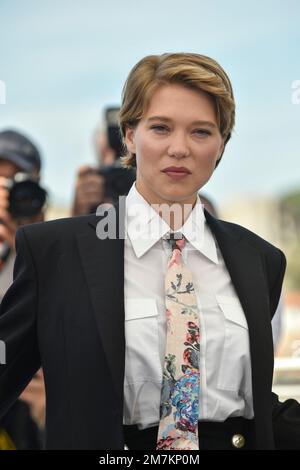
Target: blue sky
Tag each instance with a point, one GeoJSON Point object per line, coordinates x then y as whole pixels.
{"type": "Point", "coordinates": [63, 61]}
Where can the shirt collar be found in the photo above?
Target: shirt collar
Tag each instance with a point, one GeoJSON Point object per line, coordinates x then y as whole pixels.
{"type": "Point", "coordinates": [198, 234]}
{"type": "Point", "coordinates": [145, 227]}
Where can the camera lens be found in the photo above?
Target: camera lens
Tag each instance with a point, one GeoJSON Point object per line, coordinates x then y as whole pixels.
{"type": "Point", "coordinates": [26, 199]}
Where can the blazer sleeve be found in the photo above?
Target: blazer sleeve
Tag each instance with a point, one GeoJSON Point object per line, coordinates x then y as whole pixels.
{"type": "Point", "coordinates": [286, 424]}
{"type": "Point", "coordinates": [286, 415]}
{"type": "Point", "coordinates": [18, 331]}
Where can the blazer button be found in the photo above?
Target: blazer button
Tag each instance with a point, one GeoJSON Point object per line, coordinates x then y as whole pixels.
{"type": "Point", "coordinates": [238, 441]}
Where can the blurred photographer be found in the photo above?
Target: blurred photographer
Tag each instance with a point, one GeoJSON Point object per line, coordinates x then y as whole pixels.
{"type": "Point", "coordinates": [22, 201]}
{"type": "Point", "coordinates": [110, 180]}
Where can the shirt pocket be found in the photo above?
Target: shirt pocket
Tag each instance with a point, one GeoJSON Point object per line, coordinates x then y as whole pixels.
{"type": "Point", "coordinates": [142, 344]}
{"type": "Point", "coordinates": [235, 358]}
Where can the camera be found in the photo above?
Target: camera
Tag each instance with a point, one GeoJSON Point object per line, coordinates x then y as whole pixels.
{"type": "Point", "coordinates": [118, 180]}
{"type": "Point", "coordinates": [26, 197]}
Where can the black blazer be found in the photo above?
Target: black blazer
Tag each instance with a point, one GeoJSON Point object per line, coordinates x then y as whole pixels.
{"type": "Point", "coordinates": [65, 311]}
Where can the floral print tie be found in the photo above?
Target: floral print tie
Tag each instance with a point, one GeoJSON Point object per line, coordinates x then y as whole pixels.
{"type": "Point", "coordinates": [179, 408]}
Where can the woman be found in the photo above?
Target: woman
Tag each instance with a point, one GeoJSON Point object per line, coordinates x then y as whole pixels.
{"type": "Point", "coordinates": [178, 111]}
{"type": "Point", "coordinates": [161, 341]}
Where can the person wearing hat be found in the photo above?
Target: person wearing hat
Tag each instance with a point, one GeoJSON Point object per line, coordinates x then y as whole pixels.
{"type": "Point", "coordinates": [20, 427]}
{"type": "Point", "coordinates": [17, 155]}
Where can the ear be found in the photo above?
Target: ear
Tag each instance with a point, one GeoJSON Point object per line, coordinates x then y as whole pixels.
{"type": "Point", "coordinates": [221, 151]}
{"type": "Point", "coordinates": [130, 139]}
{"type": "Point", "coordinates": [222, 148]}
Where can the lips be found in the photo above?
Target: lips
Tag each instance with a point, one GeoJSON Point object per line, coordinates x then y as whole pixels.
{"type": "Point", "coordinates": [176, 173]}
{"type": "Point", "coordinates": [177, 169]}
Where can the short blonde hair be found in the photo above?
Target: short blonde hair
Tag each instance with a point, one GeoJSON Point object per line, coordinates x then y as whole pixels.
{"type": "Point", "coordinates": [194, 71]}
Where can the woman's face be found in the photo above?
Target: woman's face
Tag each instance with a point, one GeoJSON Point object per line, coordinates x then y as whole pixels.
{"type": "Point", "coordinates": [177, 144]}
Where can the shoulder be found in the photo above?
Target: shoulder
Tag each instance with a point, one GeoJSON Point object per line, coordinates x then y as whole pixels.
{"type": "Point", "coordinates": [58, 231]}
{"type": "Point", "coordinates": [252, 239]}
{"type": "Point", "coordinates": [270, 253]}
{"type": "Point", "coordinates": [268, 257]}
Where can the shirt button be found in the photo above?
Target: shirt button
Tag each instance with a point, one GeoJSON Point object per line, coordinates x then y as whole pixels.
{"type": "Point", "coordinates": [238, 441]}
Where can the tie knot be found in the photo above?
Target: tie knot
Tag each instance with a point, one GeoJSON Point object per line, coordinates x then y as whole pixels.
{"type": "Point", "coordinates": [176, 240]}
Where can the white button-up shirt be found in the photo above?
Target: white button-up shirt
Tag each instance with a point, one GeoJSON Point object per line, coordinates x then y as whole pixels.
{"type": "Point", "coordinates": [225, 366]}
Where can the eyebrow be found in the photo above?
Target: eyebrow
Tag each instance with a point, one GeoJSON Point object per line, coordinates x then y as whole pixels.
{"type": "Point", "coordinates": [166, 119]}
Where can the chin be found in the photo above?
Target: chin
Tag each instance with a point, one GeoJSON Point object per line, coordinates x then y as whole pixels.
{"type": "Point", "coordinates": [175, 196]}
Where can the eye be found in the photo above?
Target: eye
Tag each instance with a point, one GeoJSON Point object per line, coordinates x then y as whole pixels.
{"type": "Point", "coordinates": [202, 132]}
{"type": "Point", "coordinates": [159, 129]}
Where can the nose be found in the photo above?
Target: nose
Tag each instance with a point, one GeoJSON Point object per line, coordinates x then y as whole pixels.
{"type": "Point", "coordinates": [178, 146]}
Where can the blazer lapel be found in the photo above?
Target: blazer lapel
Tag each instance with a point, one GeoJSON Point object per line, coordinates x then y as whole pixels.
{"type": "Point", "coordinates": [103, 264]}
{"type": "Point", "coordinates": [245, 266]}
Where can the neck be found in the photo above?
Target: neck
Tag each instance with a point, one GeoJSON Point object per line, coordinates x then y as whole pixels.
{"type": "Point", "coordinates": [174, 213]}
